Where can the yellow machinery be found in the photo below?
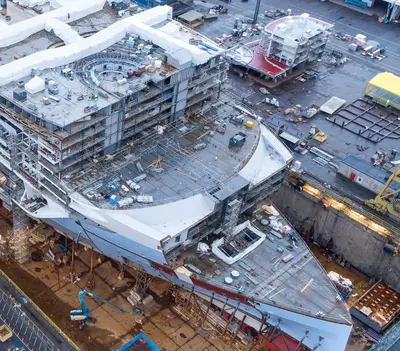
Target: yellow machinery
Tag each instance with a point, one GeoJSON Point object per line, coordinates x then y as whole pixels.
{"type": "Point", "coordinates": [389, 202]}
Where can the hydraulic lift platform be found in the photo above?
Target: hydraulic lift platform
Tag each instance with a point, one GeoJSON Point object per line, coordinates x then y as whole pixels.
{"type": "Point", "coordinates": [140, 343]}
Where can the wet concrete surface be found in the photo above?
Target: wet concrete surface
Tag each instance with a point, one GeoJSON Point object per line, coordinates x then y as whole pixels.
{"type": "Point", "coordinates": [344, 19]}
{"type": "Point", "coordinates": [50, 288]}
{"type": "Point", "coordinates": [347, 81]}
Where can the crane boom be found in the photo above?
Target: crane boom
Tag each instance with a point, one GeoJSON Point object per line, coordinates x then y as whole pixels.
{"type": "Point", "coordinates": [83, 314]}
{"type": "Point", "coordinates": [381, 203]}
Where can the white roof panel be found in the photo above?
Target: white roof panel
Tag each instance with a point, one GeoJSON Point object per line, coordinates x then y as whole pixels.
{"type": "Point", "coordinates": [269, 157]}
{"type": "Point", "coordinates": [332, 105]}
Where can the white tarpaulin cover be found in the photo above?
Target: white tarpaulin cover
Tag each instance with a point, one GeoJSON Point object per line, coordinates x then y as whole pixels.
{"type": "Point", "coordinates": [151, 224]}
{"type": "Point", "coordinates": [30, 3]}
{"type": "Point", "coordinates": [77, 47]}
{"type": "Point", "coordinates": [35, 85]}
{"type": "Point", "coordinates": [70, 11]}
{"type": "Point", "coordinates": [269, 157]}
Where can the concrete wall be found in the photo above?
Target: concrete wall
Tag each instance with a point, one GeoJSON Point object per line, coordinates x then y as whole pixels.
{"type": "Point", "coordinates": [360, 246]}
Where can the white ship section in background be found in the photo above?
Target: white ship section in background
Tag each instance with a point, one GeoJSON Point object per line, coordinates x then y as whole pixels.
{"type": "Point", "coordinates": [77, 47]}
{"type": "Point", "coordinates": [293, 292]}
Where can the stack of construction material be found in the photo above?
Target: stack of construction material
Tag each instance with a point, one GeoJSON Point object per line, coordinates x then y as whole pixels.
{"type": "Point", "coordinates": [134, 298]}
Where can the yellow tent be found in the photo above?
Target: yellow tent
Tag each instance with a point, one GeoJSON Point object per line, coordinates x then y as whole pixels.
{"type": "Point", "coordinates": [386, 81]}
{"type": "Point", "coordinates": [385, 88]}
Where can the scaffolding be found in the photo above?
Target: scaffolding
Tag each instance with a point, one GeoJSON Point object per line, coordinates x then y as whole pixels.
{"type": "Point", "coordinates": [19, 240]}
{"type": "Point", "coordinates": [142, 279]}
{"type": "Point", "coordinates": [223, 322]}
{"type": "Point", "coordinates": [204, 316]}
{"type": "Point", "coordinates": [232, 216]}
{"type": "Point", "coordinates": [4, 248]}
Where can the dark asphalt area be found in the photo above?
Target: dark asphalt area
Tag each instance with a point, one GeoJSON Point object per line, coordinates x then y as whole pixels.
{"type": "Point", "coordinates": [30, 330]}
{"type": "Point", "coordinates": [344, 19]}
{"type": "Point", "coordinates": [347, 81]}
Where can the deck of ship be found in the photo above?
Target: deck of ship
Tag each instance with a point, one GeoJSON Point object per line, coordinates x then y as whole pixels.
{"type": "Point", "coordinates": [280, 271]}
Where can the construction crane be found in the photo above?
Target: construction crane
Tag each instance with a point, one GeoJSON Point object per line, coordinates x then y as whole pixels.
{"type": "Point", "coordinates": [83, 315]}
{"type": "Point", "coordinates": [381, 203]}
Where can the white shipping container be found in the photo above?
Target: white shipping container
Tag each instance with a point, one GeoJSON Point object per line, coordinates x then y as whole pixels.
{"type": "Point", "coordinates": [145, 199]}
{"type": "Point", "coordinates": [133, 185]}
{"type": "Point", "coordinates": [140, 177]}
{"type": "Point", "coordinates": [125, 202]}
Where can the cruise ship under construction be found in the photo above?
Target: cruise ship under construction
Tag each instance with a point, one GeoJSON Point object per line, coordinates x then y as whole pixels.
{"type": "Point", "coordinates": [124, 141]}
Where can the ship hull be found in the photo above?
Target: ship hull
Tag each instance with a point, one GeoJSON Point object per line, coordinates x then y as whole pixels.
{"type": "Point", "coordinates": [154, 263]}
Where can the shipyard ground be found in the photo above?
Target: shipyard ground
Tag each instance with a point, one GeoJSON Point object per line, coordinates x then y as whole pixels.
{"type": "Point", "coordinates": [50, 288]}
{"type": "Point", "coordinates": [346, 81]}
{"type": "Point", "coordinates": [344, 19]}
{"type": "Point", "coordinates": [56, 296]}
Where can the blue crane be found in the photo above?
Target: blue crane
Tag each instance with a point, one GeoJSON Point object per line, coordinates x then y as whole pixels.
{"type": "Point", "coordinates": [83, 314]}
{"type": "Point", "coordinates": [142, 342]}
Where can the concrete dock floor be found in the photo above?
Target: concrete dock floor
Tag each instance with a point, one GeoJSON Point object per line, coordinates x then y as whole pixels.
{"type": "Point", "coordinates": [50, 289]}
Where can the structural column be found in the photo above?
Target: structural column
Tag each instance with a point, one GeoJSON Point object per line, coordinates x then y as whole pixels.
{"type": "Point", "coordinates": [4, 248]}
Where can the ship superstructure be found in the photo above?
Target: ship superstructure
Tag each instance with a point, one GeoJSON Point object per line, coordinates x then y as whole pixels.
{"type": "Point", "coordinates": [122, 140]}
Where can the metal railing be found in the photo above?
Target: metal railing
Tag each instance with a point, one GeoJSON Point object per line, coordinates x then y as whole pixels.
{"type": "Point", "coordinates": [82, 147]}
{"type": "Point", "coordinates": [203, 97]}
{"type": "Point", "coordinates": [146, 116]}
{"type": "Point", "coordinates": [87, 153]}
{"type": "Point", "coordinates": [144, 107]}
{"type": "Point", "coordinates": [201, 89]}
{"type": "Point", "coordinates": [48, 165]}
{"type": "Point", "coordinates": [97, 118]}
{"type": "Point", "coordinates": [138, 128]}
{"type": "Point", "coordinates": [79, 138]}
{"type": "Point", "coordinates": [207, 76]}
{"type": "Point", "coordinates": [145, 96]}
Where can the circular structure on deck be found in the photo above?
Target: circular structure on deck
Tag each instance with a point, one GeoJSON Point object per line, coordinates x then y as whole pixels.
{"type": "Point", "coordinates": [228, 280]}
{"type": "Point", "coordinates": [235, 274]}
